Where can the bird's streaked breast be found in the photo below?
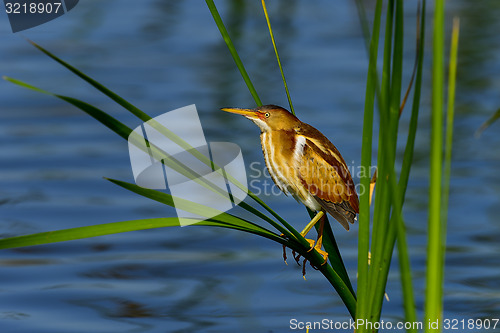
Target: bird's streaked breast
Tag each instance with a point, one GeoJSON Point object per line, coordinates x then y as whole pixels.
{"type": "Point", "coordinates": [273, 165]}
{"type": "Point", "coordinates": [283, 155]}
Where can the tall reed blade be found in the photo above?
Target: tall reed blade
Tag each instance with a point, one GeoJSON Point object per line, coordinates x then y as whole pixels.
{"type": "Point", "coordinates": [435, 246]}
{"type": "Point", "coordinates": [434, 305]}
{"type": "Point", "coordinates": [403, 255]}
{"type": "Point", "coordinates": [277, 57]}
{"type": "Point", "coordinates": [366, 160]}
{"type": "Point", "coordinates": [450, 115]}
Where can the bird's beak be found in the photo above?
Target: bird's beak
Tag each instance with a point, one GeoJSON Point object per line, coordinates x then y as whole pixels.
{"type": "Point", "coordinates": [250, 113]}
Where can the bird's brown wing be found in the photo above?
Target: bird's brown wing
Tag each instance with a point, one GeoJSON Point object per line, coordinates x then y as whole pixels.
{"type": "Point", "coordinates": [324, 173]}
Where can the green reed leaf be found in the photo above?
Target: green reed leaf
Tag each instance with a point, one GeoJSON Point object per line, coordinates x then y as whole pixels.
{"type": "Point", "coordinates": [86, 232]}
{"type": "Point", "coordinates": [434, 280]}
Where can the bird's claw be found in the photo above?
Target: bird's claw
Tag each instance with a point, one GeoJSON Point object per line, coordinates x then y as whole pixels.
{"type": "Point", "coordinates": [297, 256]}
{"type": "Point", "coordinates": [304, 268]}
{"type": "Point", "coordinates": [312, 243]}
{"type": "Point", "coordinates": [324, 254]}
{"type": "Point", "coordinates": [284, 251]}
{"type": "Point", "coordinates": [284, 254]}
{"type": "Point", "coordinates": [316, 247]}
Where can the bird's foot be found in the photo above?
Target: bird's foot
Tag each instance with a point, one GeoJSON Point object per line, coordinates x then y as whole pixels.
{"type": "Point", "coordinates": [297, 256]}
{"type": "Point", "coordinates": [324, 254]}
{"type": "Point", "coordinates": [317, 246]}
{"type": "Point", "coordinates": [312, 243]}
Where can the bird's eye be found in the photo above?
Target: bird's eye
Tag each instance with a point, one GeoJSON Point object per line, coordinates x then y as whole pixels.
{"type": "Point", "coordinates": [267, 114]}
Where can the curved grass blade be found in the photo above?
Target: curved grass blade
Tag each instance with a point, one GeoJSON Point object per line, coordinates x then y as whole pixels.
{"type": "Point", "coordinates": [209, 212]}
{"type": "Point", "coordinates": [86, 232]}
{"type": "Point", "coordinates": [110, 229]}
{"type": "Point", "coordinates": [189, 206]}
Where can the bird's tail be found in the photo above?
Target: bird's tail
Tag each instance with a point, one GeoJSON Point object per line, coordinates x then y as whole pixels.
{"type": "Point", "coordinates": [342, 212]}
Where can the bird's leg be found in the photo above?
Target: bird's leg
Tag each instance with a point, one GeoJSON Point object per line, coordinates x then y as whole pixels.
{"type": "Point", "coordinates": [320, 216]}
{"type": "Point", "coordinates": [317, 246]}
{"type": "Point", "coordinates": [311, 224]}
{"type": "Point", "coordinates": [319, 242]}
{"type": "Point", "coordinates": [314, 244]}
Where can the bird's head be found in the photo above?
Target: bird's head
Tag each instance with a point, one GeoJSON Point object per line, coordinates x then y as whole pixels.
{"type": "Point", "coordinates": [268, 117]}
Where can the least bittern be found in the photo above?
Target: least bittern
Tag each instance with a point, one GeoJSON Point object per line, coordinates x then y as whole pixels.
{"type": "Point", "coordinates": [305, 164]}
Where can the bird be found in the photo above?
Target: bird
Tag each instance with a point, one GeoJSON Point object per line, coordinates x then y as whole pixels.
{"type": "Point", "coordinates": [303, 163]}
